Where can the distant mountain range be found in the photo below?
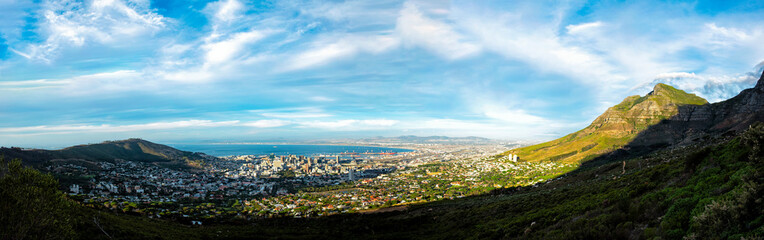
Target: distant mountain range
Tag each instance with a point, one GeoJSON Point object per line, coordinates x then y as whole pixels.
{"type": "Point", "coordinates": [422, 139]}
{"type": "Point", "coordinates": [702, 179]}
{"type": "Point", "coordinates": [133, 149]}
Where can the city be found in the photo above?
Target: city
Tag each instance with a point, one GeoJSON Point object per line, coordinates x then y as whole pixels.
{"type": "Point", "coordinates": [251, 187]}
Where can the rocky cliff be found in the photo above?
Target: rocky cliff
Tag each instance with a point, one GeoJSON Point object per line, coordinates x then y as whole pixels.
{"type": "Point", "coordinates": [615, 128]}
{"type": "Point", "coordinates": [694, 123]}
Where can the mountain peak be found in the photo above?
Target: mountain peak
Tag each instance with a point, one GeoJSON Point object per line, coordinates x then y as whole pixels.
{"type": "Point", "coordinates": [615, 128]}
{"type": "Point", "coordinates": [674, 95]}
{"type": "Point", "coordinates": [760, 84]}
{"type": "Point", "coordinates": [133, 149]}
{"type": "Point", "coordinates": [660, 88]}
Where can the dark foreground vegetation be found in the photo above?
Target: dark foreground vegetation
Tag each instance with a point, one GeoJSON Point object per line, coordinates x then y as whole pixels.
{"type": "Point", "coordinates": [709, 190]}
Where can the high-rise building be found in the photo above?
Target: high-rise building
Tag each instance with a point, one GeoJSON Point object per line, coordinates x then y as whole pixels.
{"type": "Point", "coordinates": [351, 174]}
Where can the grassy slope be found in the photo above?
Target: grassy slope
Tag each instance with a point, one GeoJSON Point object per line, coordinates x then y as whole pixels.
{"type": "Point", "coordinates": [130, 149]}
{"type": "Point", "coordinates": [712, 191]}
{"type": "Point", "coordinates": [613, 129]}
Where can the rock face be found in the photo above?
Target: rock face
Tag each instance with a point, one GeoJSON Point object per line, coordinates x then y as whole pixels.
{"type": "Point", "coordinates": [636, 113]}
{"type": "Point", "coordinates": [693, 123]}
{"type": "Point", "coordinates": [615, 128]}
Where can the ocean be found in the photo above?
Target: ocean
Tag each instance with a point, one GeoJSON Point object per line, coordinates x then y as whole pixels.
{"type": "Point", "coordinates": [220, 150]}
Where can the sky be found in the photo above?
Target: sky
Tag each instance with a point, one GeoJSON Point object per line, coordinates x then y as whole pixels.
{"type": "Point", "coordinates": [75, 72]}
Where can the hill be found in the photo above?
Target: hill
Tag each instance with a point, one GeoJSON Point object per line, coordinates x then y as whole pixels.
{"type": "Point", "coordinates": [710, 187]}
{"type": "Point", "coordinates": [697, 123]}
{"type": "Point", "coordinates": [701, 191]}
{"type": "Point", "coordinates": [615, 128]}
{"type": "Point", "coordinates": [130, 149]}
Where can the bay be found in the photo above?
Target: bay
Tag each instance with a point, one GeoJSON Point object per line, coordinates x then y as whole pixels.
{"type": "Point", "coordinates": [220, 150]}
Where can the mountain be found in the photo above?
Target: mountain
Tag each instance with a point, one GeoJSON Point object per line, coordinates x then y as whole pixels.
{"type": "Point", "coordinates": [709, 188]}
{"type": "Point", "coordinates": [697, 123]}
{"type": "Point", "coordinates": [429, 139]}
{"type": "Point", "coordinates": [133, 149]}
{"type": "Point", "coordinates": [615, 128]}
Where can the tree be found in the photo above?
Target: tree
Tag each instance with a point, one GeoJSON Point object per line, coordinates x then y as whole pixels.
{"type": "Point", "coordinates": [32, 207]}
{"type": "Point", "coordinates": [754, 138]}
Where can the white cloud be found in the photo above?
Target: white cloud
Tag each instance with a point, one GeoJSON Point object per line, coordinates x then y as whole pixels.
{"type": "Point", "coordinates": [98, 83]}
{"type": "Point", "coordinates": [453, 124]}
{"type": "Point", "coordinates": [321, 99]}
{"type": "Point", "coordinates": [226, 10]}
{"type": "Point", "coordinates": [223, 51]}
{"type": "Point", "coordinates": [31, 84]}
{"type": "Point", "coordinates": [415, 29]}
{"type": "Point", "coordinates": [291, 113]}
{"type": "Point", "coordinates": [725, 35]}
{"type": "Point", "coordinates": [379, 122]}
{"type": "Point", "coordinates": [226, 49]}
{"type": "Point", "coordinates": [542, 48]}
{"type": "Point", "coordinates": [223, 55]}
{"type": "Point", "coordinates": [581, 28]}
{"type": "Point", "coordinates": [339, 47]}
{"type": "Point", "coordinates": [118, 128]}
{"type": "Point", "coordinates": [350, 124]}
{"type": "Point", "coordinates": [187, 75]}
{"type": "Point", "coordinates": [512, 116]}
{"type": "Point", "coordinates": [321, 55]}
{"type": "Point", "coordinates": [353, 13]}
{"type": "Point", "coordinates": [267, 123]}
{"type": "Point", "coordinates": [296, 115]}
{"type": "Point", "coordinates": [330, 124]}
{"type": "Point", "coordinates": [712, 88]}
{"type": "Point", "coordinates": [102, 21]}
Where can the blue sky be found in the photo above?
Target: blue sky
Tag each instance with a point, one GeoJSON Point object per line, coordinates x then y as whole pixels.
{"type": "Point", "coordinates": [232, 70]}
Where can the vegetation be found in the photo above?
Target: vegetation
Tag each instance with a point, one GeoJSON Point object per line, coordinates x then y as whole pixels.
{"type": "Point", "coordinates": [613, 129]}
{"type": "Point", "coordinates": [131, 149]}
{"type": "Point", "coordinates": [706, 191]}
{"type": "Point", "coordinates": [31, 206]}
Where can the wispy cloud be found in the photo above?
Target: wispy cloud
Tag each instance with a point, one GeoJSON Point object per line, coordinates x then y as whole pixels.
{"type": "Point", "coordinates": [417, 30]}
{"type": "Point", "coordinates": [293, 113]}
{"type": "Point", "coordinates": [297, 115]}
{"type": "Point", "coordinates": [712, 88]}
{"type": "Point", "coordinates": [72, 24]}
{"type": "Point", "coordinates": [98, 83]}
{"type": "Point", "coordinates": [350, 124]}
{"type": "Point", "coordinates": [224, 50]}
{"type": "Point", "coordinates": [502, 69]}
{"type": "Point", "coordinates": [583, 27]}
{"type": "Point", "coordinates": [226, 10]}
{"type": "Point", "coordinates": [117, 128]}
{"type": "Point", "coordinates": [267, 123]}
{"type": "Point", "coordinates": [336, 48]}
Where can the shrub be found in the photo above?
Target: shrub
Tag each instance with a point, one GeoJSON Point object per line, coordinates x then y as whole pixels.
{"type": "Point", "coordinates": [31, 205]}
{"type": "Point", "coordinates": [754, 138]}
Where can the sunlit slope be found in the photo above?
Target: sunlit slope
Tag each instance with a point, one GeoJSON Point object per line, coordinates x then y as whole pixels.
{"type": "Point", "coordinates": [614, 128]}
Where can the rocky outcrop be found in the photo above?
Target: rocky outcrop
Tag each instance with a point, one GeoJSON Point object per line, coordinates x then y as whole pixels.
{"type": "Point", "coordinates": [616, 127]}
{"type": "Point", "coordinates": [694, 123]}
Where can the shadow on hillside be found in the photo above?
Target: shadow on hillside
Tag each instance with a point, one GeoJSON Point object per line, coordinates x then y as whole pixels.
{"type": "Point", "coordinates": [675, 132]}
{"type": "Point", "coordinates": [681, 130]}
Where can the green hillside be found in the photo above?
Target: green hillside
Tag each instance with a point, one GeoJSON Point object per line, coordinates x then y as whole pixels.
{"type": "Point", "coordinates": [706, 191]}
{"type": "Point", "coordinates": [130, 149]}
{"type": "Point", "coordinates": [614, 128]}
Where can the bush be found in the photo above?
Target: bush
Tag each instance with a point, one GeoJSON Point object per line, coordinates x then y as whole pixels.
{"type": "Point", "coordinates": [754, 138]}
{"type": "Point", "coordinates": [31, 206]}
{"type": "Point", "coordinates": [722, 217]}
